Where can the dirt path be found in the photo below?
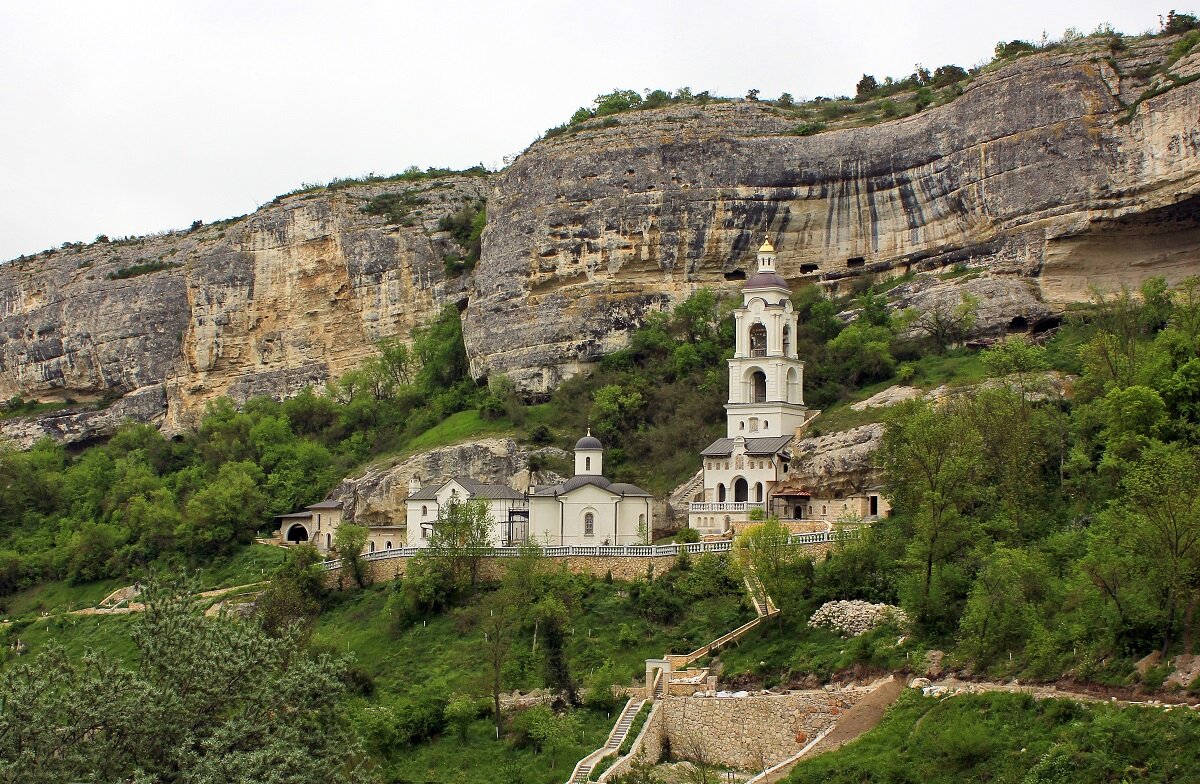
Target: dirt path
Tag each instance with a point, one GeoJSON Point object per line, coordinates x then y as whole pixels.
{"type": "Point", "coordinates": [863, 716]}
{"type": "Point", "coordinates": [133, 607]}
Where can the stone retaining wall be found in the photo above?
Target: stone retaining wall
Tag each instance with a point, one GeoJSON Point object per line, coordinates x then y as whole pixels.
{"type": "Point", "coordinates": [755, 731]}
{"type": "Point", "coordinates": [622, 568]}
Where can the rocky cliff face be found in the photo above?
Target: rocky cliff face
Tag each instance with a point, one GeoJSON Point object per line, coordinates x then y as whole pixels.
{"type": "Point", "coordinates": [292, 295]}
{"type": "Point", "coordinates": [1036, 171]}
{"type": "Point", "coordinates": [1047, 175]}
{"type": "Point", "coordinates": [377, 496]}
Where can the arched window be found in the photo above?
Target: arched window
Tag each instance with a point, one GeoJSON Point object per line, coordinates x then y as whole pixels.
{"type": "Point", "coordinates": [587, 464]}
{"type": "Point", "coordinates": [758, 492]}
{"type": "Point", "coordinates": [424, 511]}
{"type": "Point", "coordinates": [740, 490]}
{"type": "Point", "coordinates": [794, 394]}
{"type": "Point", "coordinates": [787, 340]}
{"type": "Point", "coordinates": [721, 493]}
{"type": "Point", "coordinates": [758, 387]}
{"type": "Point", "coordinates": [371, 547]}
{"type": "Point", "coordinates": [387, 545]}
{"type": "Point", "coordinates": [328, 541]}
{"type": "Point", "coordinates": [758, 340]}
{"type": "Point", "coordinates": [589, 524]}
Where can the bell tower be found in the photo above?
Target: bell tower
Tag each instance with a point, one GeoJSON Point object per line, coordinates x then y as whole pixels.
{"type": "Point", "coordinates": [766, 378]}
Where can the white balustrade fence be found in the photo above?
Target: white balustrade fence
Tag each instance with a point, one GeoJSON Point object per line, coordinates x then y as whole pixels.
{"type": "Point", "coordinates": [610, 551]}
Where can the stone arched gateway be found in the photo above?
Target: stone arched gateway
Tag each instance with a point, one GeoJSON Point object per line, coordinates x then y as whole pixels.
{"type": "Point", "coordinates": [296, 533]}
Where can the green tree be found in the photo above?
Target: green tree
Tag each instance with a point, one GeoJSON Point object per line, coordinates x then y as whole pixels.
{"type": "Point", "coordinates": [348, 544]}
{"type": "Point", "coordinates": [462, 536]}
{"type": "Point", "coordinates": [227, 511]}
{"type": "Point", "coordinates": [1160, 502]}
{"type": "Point", "coordinates": [930, 461]}
{"type": "Point", "coordinates": [551, 617]}
{"type": "Point", "coordinates": [211, 701]}
{"type": "Point", "coordinates": [460, 713]}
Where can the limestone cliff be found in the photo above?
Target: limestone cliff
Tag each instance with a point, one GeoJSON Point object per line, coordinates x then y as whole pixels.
{"type": "Point", "coordinates": [292, 295]}
{"type": "Point", "coordinates": [1047, 175]}
{"type": "Point", "coordinates": [1039, 170]}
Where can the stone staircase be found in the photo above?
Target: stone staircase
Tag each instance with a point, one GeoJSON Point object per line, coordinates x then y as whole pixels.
{"type": "Point", "coordinates": [583, 769]}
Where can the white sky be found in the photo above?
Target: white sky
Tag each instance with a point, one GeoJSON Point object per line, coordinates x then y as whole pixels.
{"type": "Point", "coordinates": [131, 117]}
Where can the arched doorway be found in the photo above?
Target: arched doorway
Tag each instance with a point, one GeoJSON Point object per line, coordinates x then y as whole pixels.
{"type": "Point", "coordinates": [758, 492]}
{"type": "Point", "coordinates": [758, 387]}
{"type": "Point", "coordinates": [758, 340]}
{"type": "Point", "coordinates": [297, 533]}
{"type": "Point", "coordinates": [741, 490]}
{"type": "Point", "coordinates": [721, 493]}
{"type": "Point", "coordinates": [328, 541]}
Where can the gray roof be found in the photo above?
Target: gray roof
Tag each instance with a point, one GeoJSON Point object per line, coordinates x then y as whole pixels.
{"type": "Point", "coordinates": [329, 503]}
{"type": "Point", "coordinates": [754, 446]}
{"type": "Point", "coordinates": [473, 488]}
{"type": "Point", "coordinates": [588, 442]}
{"type": "Point", "coordinates": [294, 514]}
{"type": "Point", "coordinates": [765, 280]}
{"type": "Point", "coordinates": [623, 489]}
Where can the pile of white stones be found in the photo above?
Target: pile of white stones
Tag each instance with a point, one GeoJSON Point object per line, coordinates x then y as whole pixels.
{"type": "Point", "coordinates": [852, 618]}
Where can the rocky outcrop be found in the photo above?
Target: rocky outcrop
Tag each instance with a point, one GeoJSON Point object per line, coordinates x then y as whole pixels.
{"type": "Point", "coordinates": [377, 496]}
{"type": "Point", "coordinates": [1038, 172]}
{"type": "Point", "coordinates": [838, 462]}
{"type": "Point", "coordinates": [290, 296]}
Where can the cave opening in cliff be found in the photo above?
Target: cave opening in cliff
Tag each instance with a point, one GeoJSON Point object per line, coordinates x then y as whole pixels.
{"type": "Point", "coordinates": [1018, 324]}
{"type": "Point", "coordinates": [735, 275]}
{"type": "Point", "coordinates": [855, 261]}
{"type": "Point", "coordinates": [807, 269]}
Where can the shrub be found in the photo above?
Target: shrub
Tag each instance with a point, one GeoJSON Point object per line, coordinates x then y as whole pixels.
{"type": "Point", "coordinates": [1013, 49]}
{"type": "Point", "coordinates": [807, 129]}
{"type": "Point", "coordinates": [142, 269]}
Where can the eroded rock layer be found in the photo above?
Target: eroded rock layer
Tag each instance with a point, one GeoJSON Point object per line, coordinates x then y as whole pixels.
{"type": "Point", "coordinates": [1041, 169]}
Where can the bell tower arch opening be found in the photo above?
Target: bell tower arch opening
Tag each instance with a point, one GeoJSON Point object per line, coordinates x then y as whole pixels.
{"type": "Point", "coordinates": [758, 339]}
{"type": "Point", "coordinates": [758, 386]}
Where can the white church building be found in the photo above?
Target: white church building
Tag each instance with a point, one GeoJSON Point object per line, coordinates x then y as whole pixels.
{"type": "Point", "coordinates": [748, 470]}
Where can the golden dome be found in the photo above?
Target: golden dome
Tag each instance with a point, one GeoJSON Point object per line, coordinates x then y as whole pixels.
{"type": "Point", "coordinates": [767, 247]}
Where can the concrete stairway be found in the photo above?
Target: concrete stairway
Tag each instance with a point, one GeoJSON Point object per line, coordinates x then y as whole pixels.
{"type": "Point", "coordinates": [583, 769]}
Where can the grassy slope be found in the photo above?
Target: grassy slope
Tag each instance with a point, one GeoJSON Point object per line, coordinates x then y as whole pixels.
{"type": "Point", "coordinates": [442, 655]}
{"type": "Point", "coordinates": [1014, 738]}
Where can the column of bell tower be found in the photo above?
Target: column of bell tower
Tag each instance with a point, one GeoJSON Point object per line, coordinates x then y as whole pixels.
{"type": "Point", "coordinates": [766, 378]}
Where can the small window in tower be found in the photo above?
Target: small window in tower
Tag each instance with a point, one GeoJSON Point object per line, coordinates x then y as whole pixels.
{"type": "Point", "coordinates": [587, 464]}
{"type": "Point", "coordinates": [742, 425]}
{"type": "Point", "coordinates": [765, 424]}
{"type": "Point", "coordinates": [424, 511]}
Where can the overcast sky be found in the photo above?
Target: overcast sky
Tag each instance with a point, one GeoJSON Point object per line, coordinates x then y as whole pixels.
{"type": "Point", "coordinates": [131, 117]}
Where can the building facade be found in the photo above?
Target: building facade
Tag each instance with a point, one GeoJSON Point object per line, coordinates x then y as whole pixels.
{"type": "Point", "coordinates": [589, 508]}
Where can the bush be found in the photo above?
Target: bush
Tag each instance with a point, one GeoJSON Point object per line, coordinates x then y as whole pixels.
{"type": "Point", "coordinates": [142, 269]}
{"type": "Point", "coordinates": [1013, 49]}
{"type": "Point", "coordinates": [807, 129]}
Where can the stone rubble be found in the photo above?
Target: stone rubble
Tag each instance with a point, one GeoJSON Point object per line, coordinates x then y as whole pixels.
{"type": "Point", "coordinates": [855, 617]}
